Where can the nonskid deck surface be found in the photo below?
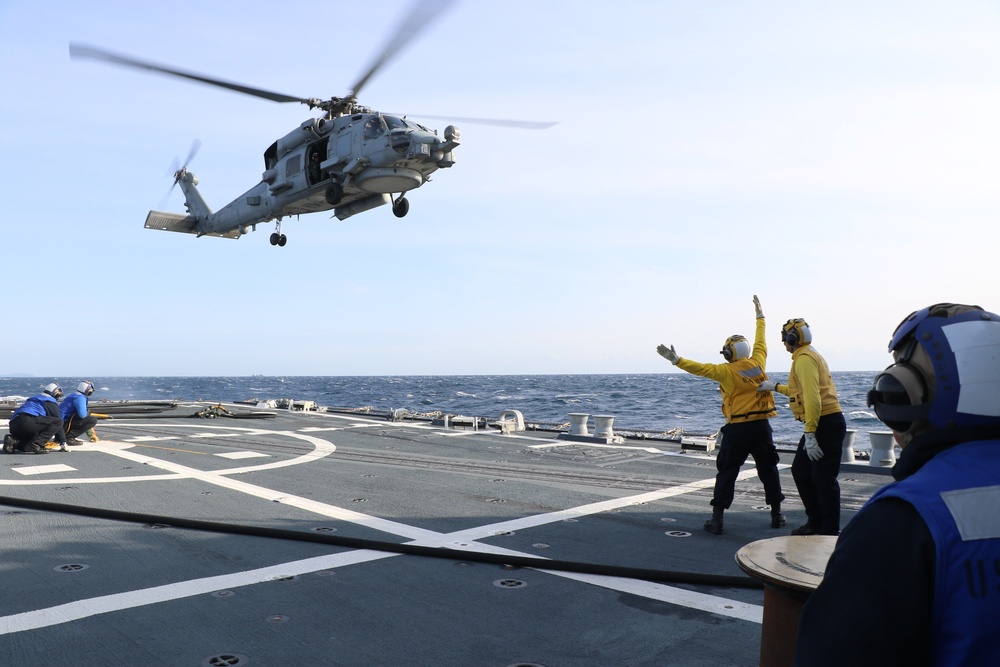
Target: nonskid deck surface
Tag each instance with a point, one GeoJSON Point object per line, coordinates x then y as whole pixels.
{"type": "Point", "coordinates": [178, 550]}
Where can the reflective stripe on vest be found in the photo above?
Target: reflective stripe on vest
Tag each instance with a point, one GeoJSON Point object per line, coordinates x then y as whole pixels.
{"type": "Point", "coordinates": [744, 402]}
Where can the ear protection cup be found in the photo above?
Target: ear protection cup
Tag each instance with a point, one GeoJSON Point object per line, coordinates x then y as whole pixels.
{"type": "Point", "coordinates": [899, 397]}
{"type": "Point", "coordinates": [735, 347]}
{"type": "Point", "coordinates": [796, 331]}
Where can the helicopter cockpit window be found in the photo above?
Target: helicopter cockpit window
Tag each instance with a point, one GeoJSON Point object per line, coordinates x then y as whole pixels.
{"type": "Point", "coordinates": [373, 127]}
{"type": "Point", "coordinates": [395, 123]}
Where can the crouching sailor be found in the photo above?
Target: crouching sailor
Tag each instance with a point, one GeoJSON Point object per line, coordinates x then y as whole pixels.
{"type": "Point", "coordinates": [76, 415]}
{"type": "Point", "coordinates": [35, 423]}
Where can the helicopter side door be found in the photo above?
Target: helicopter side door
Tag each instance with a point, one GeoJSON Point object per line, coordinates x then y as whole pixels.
{"type": "Point", "coordinates": [317, 155]}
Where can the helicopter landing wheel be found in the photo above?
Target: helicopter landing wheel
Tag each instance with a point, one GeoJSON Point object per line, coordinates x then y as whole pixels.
{"type": "Point", "coordinates": [400, 207]}
{"type": "Point", "coordinates": [282, 240]}
{"type": "Point", "coordinates": [334, 194]}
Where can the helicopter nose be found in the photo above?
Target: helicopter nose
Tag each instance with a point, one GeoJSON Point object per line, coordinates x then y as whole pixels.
{"type": "Point", "coordinates": [429, 147]}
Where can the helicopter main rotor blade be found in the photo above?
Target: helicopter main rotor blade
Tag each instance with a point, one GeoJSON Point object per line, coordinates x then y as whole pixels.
{"type": "Point", "coordinates": [81, 51]}
{"type": "Point", "coordinates": [424, 11]}
{"type": "Point", "coordinates": [519, 124]}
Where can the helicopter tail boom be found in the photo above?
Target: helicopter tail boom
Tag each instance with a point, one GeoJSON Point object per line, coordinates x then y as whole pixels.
{"type": "Point", "coordinates": [186, 224]}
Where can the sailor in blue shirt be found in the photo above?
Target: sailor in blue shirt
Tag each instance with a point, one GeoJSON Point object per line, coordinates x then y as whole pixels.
{"type": "Point", "coordinates": [35, 423]}
{"type": "Point", "coordinates": [915, 576]}
{"type": "Point", "coordinates": [76, 413]}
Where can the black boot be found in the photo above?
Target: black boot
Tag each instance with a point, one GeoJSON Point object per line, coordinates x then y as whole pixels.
{"type": "Point", "coordinates": [714, 525]}
{"type": "Point", "coordinates": [777, 518]}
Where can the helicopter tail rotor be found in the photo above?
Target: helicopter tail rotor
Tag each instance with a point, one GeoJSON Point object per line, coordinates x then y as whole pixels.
{"type": "Point", "coordinates": [178, 169]}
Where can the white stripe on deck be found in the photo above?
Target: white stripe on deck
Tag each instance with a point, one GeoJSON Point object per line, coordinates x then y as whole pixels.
{"type": "Point", "coordinates": [43, 470]}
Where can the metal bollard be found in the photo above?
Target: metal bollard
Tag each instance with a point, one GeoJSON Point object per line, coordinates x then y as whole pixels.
{"type": "Point", "coordinates": [578, 423]}
{"type": "Point", "coordinates": [883, 454]}
{"type": "Point", "coordinates": [848, 455]}
{"type": "Point", "coordinates": [602, 426]}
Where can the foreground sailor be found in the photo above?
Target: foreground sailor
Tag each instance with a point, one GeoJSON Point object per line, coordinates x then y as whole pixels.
{"type": "Point", "coordinates": [812, 397]}
{"type": "Point", "coordinates": [747, 431]}
{"type": "Point", "coordinates": [76, 415]}
{"type": "Point", "coordinates": [915, 577]}
{"type": "Point", "coordinates": [35, 423]}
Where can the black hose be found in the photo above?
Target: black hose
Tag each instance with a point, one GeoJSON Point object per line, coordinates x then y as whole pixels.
{"type": "Point", "coordinates": [392, 547]}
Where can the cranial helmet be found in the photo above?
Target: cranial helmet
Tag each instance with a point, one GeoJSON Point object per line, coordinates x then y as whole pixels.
{"type": "Point", "coordinates": [796, 332]}
{"type": "Point", "coordinates": [735, 348]}
{"type": "Point", "coordinates": [53, 390]}
{"type": "Point", "coordinates": [86, 387]}
{"type": "Point", "coordinates": [946, 372]}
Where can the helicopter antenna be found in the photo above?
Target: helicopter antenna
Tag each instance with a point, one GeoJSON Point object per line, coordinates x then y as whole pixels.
{"type": "Point", "coordinates": [424, 11]}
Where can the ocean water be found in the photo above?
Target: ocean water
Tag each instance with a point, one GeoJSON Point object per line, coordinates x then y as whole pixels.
{"type": "Point", "coordinates": [644, 402]}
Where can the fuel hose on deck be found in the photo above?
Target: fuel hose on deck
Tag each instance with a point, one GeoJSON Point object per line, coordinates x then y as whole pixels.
{"type": "Point", "coordinates": [666, 576]}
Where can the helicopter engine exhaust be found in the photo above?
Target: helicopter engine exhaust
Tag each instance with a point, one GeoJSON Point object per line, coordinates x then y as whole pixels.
{"type": "Point", "coordinates": [361, 205]}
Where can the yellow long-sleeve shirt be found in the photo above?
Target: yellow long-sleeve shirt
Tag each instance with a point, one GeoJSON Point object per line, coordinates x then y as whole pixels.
{"type": "Point", "coordinates": [738, 381]}
{"type": "Point", "coordinates": [810, 389]}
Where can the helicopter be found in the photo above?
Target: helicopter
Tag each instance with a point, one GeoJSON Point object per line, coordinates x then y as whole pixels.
{"type": "Point", "coordinates": [352, 159]}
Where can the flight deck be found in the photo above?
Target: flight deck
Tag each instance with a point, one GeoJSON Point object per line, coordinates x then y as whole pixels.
{"type": "Point", "coordinates": [296, 537]}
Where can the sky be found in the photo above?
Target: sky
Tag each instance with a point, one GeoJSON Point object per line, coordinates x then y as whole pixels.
{"type": "Point", "coordinates": [839, 160]}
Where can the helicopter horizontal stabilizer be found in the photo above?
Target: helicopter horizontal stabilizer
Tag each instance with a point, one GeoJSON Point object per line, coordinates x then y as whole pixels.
{"type": "Point", "coordinates": [186, 224]}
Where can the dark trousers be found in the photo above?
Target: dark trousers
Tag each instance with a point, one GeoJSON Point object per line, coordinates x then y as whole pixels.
{"type": "Point", "coordinates": [27, 429]}
{"type": "Point", "coordinates": [75, 426]}
{"type": "Point", "coordinates": [737, 441]}
{"type": "Point", "coordinates": [816, 481]}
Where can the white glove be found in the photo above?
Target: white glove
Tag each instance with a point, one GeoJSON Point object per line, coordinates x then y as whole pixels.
{"type": "Point", "coordinates": [813, 450]}
{"type": "Point", "coordinates": [668, 353]}
{"type": "Point", "coordinates": [767, 385]}
{"type": "Point", "coordinates": [756, 305]}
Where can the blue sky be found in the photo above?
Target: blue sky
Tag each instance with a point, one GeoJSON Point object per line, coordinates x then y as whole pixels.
{"type": "Point", "coordinates": [840, 160]}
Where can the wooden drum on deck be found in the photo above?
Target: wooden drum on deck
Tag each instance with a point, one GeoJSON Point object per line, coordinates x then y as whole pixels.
{"type": "Point", "coordinates": [791, 568]}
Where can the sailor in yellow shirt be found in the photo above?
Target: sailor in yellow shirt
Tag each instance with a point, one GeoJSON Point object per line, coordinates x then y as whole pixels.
{"type": "Point", "coordinates": [812, 397]}
{"type": "Point", "coordinates": [747, 431]}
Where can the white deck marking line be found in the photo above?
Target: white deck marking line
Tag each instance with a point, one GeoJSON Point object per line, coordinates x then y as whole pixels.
{"type": "Point", "coordinates": [80, 609]}
{"type": "Point", "coordinates": [163, 477]}
{"type": "Point", "coordinates": [150, 438]}
{"type": "Point", "coordinates": [743, 611]}
{"type": "Point", "coordinates": [243, 455]}
{"type": "Point", "coordinates": [650, 450]}
{"type": "Point", "coordinates": [598, 445]}
{"type": "Point", "coordinates": [318, 429]}
{"type": "Point", "coordinates": [41, 470]}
